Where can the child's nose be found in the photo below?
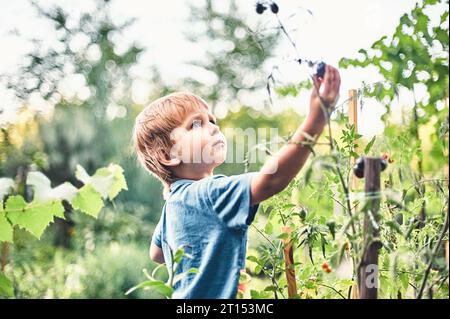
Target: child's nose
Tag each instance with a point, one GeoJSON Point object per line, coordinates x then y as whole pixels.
{"type": "Point", "coordinates": [213, 129]}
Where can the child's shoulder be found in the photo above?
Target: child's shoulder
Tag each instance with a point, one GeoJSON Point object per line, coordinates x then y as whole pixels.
{"type": "Point", "coordinates": [211, 184]}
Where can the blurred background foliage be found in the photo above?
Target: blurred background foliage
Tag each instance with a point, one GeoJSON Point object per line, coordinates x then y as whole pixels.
{"type": "Point", "coordinates": [91, 125]}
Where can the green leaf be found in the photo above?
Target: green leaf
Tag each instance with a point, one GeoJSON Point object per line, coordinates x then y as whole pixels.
{"type": "Point", "coordinates": [254, 294]}
{"type": "Point", "coordinates": [283, 236]}
{"type": "Point", "coordinates": [369, 145]}
{"type": "Point", "coordinates": [88, 200]}
{"type": "Point", "coordinates": [116, 179]}
{"type": "Point", "coordinates": [43, 190]}
{"type": "Point", "coordinates": [108, 181]}
{"type": "Point", "coordinates": [269, 228]}
{"type": "Point", "coordinates": [33, 217]}
{"type": "Point", "coordinates": [158, 286]}
{"type": "Point", "coordinates": [178, 255]}
{"type": "Point", "coordinates": [404, 279]}
{"type": "Point", "coordinates": [308, 174]}
{"type": "Point", "coordinates": [6, 229]}
{"type": "Point", "coordinates": [82, 175]}
{"type": "Point", "coordinates": [337, 256]}
{"type": "Point", "coordinates": [15, 203]}
{"type": "Point", "coordinates": [289, 205]}
{"type": "Point", "coordinates": [258, 269]}
{"type": "Point", "coordinates": [6, 288]}
{"type": "Point", "coordinates": [184, 274]}
{"type": "Point", "coordinates": [155, 271]}
{"type": "Point", "coordinates": [394, 226]}
{"type": "Point", "coordinates": [6, 184]}
{"type": "Point", "coordinates": [271, 212]}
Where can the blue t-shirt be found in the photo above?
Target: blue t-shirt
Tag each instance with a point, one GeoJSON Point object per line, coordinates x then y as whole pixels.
{"type": "Point", "coordinates": [209, 218]}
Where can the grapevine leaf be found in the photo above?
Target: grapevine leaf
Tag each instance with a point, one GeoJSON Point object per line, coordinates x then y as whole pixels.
{"type": "Point", "coordinates": [81, 175]}
{"type": "Point", "coordinates": [109, 181]}
{"type": "Point", "coordinates": [43, 190]}
{"type": "Point", "coordinates": [15, 203]}
{"type": "Point", "coordinates": [102, 184]}
{"type": "Point", "coordinates": [88, 200]}
{"type": "Point", "coordinates": [6, 288]}
{"type": "Point", "coordinates": [33, 217]}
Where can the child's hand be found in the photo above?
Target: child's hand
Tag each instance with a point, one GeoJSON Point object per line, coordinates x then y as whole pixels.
{"type": "Point", "coordinates": [329, 94]}
{"type": "Point", "coordinates": [284, 166]}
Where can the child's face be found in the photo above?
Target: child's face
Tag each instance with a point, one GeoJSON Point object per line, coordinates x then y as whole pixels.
{"type": "Point", "coordinates": [199, 141]}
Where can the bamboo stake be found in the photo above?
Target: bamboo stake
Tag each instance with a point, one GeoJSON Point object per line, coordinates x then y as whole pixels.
{"type": "Point", "coordinates": [289, 263]}
{"type": "Point", "coordinates": [353, 120]}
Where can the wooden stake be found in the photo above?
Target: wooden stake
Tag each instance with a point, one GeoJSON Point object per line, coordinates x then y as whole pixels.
{"type": "Point", "coordinates": [289, 263]}
{"type": "Point", "coordinates": [368, 269]}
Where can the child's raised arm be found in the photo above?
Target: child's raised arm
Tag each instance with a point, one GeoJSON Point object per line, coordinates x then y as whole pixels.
{"type": "Point", "coordinates": [279, 171]}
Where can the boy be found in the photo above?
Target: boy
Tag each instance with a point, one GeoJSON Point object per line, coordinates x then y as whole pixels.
{"type": "Point", "coordinates": [177, 140]}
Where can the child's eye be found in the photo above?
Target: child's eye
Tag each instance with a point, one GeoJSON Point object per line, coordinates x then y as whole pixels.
{"type": "Point", "coordinates": [212, 121]}
{"type": "Point", "coordinates": [196, 123]}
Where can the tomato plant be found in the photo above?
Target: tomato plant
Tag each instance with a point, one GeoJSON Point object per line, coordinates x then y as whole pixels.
{"type": "Point", "coordinates": [326, 214]}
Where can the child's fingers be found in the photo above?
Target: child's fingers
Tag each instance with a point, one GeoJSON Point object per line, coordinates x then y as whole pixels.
{"type": "Point", "coordinates": [333, 79]}
{"type": "Point", "coordinates": [328, 75]}
{"type": "Point", "coordinates": [336, 79]}
{"type": "Point", "coordinates": [317, 82]}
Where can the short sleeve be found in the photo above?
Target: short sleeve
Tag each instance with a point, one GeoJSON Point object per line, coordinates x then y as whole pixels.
{"type": "Point", "coordinates": [230, 198]}
{"type": "Point", "coordinates": [156, 238]}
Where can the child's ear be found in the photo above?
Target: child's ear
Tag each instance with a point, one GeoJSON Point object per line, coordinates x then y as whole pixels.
{"type": "Point", "coordinates": [170, 160]}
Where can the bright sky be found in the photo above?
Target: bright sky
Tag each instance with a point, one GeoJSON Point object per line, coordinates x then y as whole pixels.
{"type": "Point", "coordinates": [338, 29]}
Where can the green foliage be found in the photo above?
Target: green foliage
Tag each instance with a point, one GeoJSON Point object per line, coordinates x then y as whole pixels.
{"type": "Point", "coordinates": [101, 263]}
{"type": "Point", "coordinates": [88, 200]}
{"type": "Point", "coordinates": [294, 89]}
{"type": "Point", "coordinates": [105, 272]}
{"type": "Point", "coordinates": [36, 215]}
{"type": "Point", "coordinates": [414, 193]}
{"type": "Point", "coordinates": [415, 56]}
{"type": "Point", "coordinates": [238, 67]}
{"type": "Point", "coordinates": [6, 288]}
{"type": "Point", "coordinates": [111, 269]}
{"type": "Point", "coordinates": [349, 140]}
{"type": "Point", "coordinates": [165, 288]}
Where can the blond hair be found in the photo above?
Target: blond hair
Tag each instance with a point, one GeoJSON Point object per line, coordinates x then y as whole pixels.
{"type": "Point", "coordinates": [153, 127]}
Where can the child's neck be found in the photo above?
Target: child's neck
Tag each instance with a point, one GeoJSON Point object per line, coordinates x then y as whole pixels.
{"type": "Point", "coordinates": [193, 171]}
